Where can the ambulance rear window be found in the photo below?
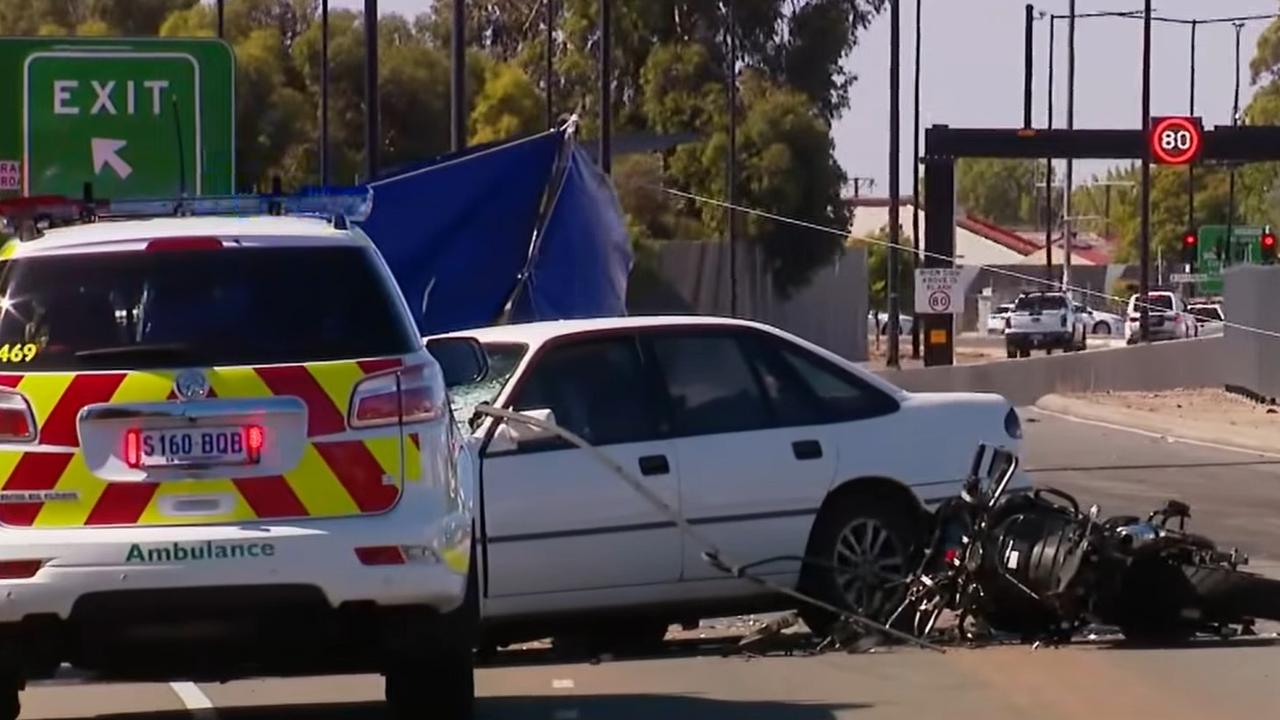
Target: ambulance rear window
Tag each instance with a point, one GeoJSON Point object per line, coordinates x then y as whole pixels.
{"type": "Point", "coordinates": [234, 306]}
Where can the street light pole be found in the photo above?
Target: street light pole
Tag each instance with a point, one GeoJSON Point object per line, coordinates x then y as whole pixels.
{"type": "Point", "coordinates": [891, 290]}
{"type": "Point", "coordinates": [1144, 239]}
{"type": "Point", "coordinates": [1231, 183]}
{"type": "Point", "coordinates": [1048, 173]}
{"type": "Point", "coordinates": [915, 173]}
{"type": "Point", "coordinates": [458, 76]}
{"type": "Point", "coordinates": [1191, 111]}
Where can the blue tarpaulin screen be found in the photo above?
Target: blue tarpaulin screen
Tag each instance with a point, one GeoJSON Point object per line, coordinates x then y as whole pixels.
{"type": "Point", "coordinates": [580, 266]}
{"type": "Point", "coordinates": [456, 234]}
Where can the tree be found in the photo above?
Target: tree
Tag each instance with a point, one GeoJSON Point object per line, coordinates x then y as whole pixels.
{"type": "Point", "coordinates": [878, 250]}
{"type": "Point", "coordinates": [1003, 191]}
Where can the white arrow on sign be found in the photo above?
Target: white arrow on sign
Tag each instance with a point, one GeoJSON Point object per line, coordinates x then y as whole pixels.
{"type": "Point", "coordinates": [106, 151]}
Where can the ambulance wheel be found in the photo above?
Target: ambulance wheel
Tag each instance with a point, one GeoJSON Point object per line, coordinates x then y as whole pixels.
{"type": "Point", "coordinates": [10, 706]}
{"type": "Point", "coordinates": [439, 688]}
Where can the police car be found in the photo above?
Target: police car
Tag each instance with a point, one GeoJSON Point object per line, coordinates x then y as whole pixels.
{"type": "Point", "coordinates": [226, 452]}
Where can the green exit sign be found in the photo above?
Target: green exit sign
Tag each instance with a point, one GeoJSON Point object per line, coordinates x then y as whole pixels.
{"type": "Point", "coordinates": [136, 118]}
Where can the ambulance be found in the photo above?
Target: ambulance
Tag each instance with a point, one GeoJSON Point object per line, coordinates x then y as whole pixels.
{"type": "Point", "coordinates": [225, 452]}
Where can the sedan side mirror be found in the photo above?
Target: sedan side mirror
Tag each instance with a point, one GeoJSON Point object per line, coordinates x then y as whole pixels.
{"type": "Point", "coordinates": [511, 434]}
{"type": "Point", "coordinates": [462, 360]}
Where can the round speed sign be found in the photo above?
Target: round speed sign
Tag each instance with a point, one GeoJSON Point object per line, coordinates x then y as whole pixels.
{"type": "Point", "coordinates": [1175, 140]}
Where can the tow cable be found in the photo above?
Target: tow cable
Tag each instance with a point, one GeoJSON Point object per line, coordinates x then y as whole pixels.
{"type": "Point", "coordinates": [710, 553]}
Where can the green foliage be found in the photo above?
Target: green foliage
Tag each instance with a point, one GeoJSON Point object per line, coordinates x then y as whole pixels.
{"type": "Point", "coordinates": [670, 75]}
{"type": "Point", "coordinates": [1000, 190]}
{"type": "Point", "coordinates": [878, 251]}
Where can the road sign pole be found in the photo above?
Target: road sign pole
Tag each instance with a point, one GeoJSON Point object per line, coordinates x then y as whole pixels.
{"type": "Point", "coordinates": [895, 41]}
{"type": "Point", "coordinates": [324, 93]}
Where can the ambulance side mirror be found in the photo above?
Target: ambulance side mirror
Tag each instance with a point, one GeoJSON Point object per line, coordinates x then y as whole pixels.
{"type": "Point", "coordinates": [462, 360]}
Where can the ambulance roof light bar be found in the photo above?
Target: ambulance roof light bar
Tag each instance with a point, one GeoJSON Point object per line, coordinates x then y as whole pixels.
{"type": "Point", "coordinates": [27, 216]}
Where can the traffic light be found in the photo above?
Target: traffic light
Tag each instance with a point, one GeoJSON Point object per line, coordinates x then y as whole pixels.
{"type": "Point", "coordinates": [1267, 244]}
{"type": "Point", "coordinates": [1189, 243]}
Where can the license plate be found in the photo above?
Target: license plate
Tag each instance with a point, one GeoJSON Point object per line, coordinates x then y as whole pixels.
{"type": "Point", "coordinates": [200, 446]}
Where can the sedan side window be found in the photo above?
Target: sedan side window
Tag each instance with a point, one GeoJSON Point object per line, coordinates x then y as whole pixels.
{"type": "Point", "coordinates": [845, 396]}
{"type": "Point", "coordinates": [711, 386]}
{"type": "Point", "coordinates": [596, 389]}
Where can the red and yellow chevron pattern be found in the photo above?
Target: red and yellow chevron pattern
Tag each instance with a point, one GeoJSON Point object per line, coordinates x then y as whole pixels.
{"type": "Point", "coordinates": [335, 478]}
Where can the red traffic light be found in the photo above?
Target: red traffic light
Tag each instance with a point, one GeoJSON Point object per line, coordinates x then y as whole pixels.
{"type": "Point", "coordinates": [1269, 241]}
{"type": "Point", "coordinates": [1189, 240]}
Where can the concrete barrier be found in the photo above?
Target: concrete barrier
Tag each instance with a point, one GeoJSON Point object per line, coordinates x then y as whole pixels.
{"type": "Point", "coordinates": [1158, 366]}
{"type": "Point", "coordinates": [1250, 297]}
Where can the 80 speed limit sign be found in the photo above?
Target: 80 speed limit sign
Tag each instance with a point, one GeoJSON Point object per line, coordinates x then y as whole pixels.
{"type": "Point", "coordinates": [939, 291]}
{"type": "Point", "coordinates": [1175, 140]}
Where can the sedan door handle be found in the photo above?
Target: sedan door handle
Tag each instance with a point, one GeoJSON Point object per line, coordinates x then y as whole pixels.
{"type": "Point", "coordinates": [654, 465]}
{"type": "Point", "coordinates": [807, 449]}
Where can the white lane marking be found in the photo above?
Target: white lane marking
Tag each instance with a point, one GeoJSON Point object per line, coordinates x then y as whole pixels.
{"type": "Point", "coordinates": [562, 683]}
{"type": "Point", "coordinates": [198, 703]}
{"type": "Point", "coordinates": [1159, 436]}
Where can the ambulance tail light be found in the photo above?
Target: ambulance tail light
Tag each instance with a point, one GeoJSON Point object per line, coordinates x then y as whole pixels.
{"type": "Point", "coordinates": [181, 244]}
{"type": "Point", "coordinates": [17, 424]}
{"type": "Point", "coordinates": [255, 438]}
{"type": "Point", "coordinates": [19, 569]}
{"type": "Point", "coordinates": [133, 447]}
{"type": "Point", "coordinates": [386, 398]}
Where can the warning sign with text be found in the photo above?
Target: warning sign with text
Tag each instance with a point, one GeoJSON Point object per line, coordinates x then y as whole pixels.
{"type": "Point", "coordinates": [939, 291]}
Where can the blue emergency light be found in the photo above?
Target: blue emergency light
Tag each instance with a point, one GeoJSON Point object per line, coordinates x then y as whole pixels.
{"type": "Point", "coordinates": [339, 204]}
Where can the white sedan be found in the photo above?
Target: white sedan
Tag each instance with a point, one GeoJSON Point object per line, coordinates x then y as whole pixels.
{"type": "Point", "coordinates": [1101, 322]}
{"type": "Point", "coordinates": [769, 445]}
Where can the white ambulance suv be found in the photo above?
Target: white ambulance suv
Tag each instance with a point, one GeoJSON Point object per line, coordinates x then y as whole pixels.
{"type": "Point", "coordinates": [226, 452]}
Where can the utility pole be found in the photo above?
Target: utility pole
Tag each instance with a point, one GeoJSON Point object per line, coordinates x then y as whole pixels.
{"type": "Point", "coordinates": [458, 76]}
{"type": "Point", "coordinates": [324, 92]}
{"type": "Point", "coordinates": [915, 175]}
{"type": "Point", "coordinates": [606, 86]}
{"type": "Point", "coordinates": [1068, 227]}
{"type": "Point", "coordinates": [551, 41]}
{"type": "Point", "coordinates": [1231, 183]}
{"type": "Point", "coordinates": [373, 133]}
{"type": "Point", "coordinates": [1028, 61]}
{"type": "Point", "coordinates": [1144, 238]}
{"type": "Point", "coordinates": [891, 291]}
{"type": "Point", "coordinates": [1048, 175]}
{"type": "Point", "coordinates": [731, 183]}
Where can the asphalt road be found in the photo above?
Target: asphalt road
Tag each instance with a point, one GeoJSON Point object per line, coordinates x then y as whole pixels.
{"type": "Point", "coordinates": [1235, 498]}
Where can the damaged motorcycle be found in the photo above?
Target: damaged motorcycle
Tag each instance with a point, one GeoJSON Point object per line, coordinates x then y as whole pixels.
{"type": "Point", "coordinates": [1034, 565]}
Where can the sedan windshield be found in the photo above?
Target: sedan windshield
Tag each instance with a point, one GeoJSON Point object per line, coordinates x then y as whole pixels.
{"type": "Point", "coordinates": [504, 358]}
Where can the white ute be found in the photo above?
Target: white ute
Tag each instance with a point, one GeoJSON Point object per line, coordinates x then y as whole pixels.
{"type": "Point", "coordinates": [1044, 320]}
{"type": "Point", "coordinates": [225, 452]}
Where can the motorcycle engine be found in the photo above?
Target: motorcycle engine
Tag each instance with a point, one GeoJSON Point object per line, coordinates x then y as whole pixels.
{"type": "Point", "coordinates": [1028, 568]}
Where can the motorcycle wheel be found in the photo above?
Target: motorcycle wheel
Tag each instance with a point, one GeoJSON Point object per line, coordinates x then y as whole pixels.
{"type": "Point", "coordinates": [1228, 594]}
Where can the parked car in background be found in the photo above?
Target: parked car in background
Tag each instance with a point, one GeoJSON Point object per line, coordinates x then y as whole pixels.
{"type": "Point", "coordinates": [881, 320]}
{"type": "Point", "coordinates": [1100, 322]}
{"type": "Point", "coordinates": [1168, 318]}
{"type": "Point", "coordinates": [768, 444]}
{"type": "Point", "coordinates": [1044, 321]}
{"type": "Point", "coordinates": [1209, 318]}
{"type": "Point", "coordinates": [998, 317]}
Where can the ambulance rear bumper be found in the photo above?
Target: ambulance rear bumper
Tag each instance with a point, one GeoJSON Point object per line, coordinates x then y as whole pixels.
{"type": "Point", "coordinates": [349, 560]}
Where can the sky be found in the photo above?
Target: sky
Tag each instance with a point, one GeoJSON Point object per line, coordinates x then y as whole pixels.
{"type": "Point", "coordinates": [972, 66]}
